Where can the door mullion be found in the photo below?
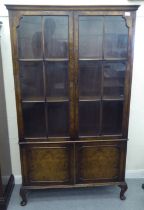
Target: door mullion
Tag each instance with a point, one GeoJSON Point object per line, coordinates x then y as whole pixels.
{"type": "Point", "coordinates": [71, 77]}
{"type": "Point", "coordinates": [44, 76]}
{"type": "Point", "coordinates": [76, 72]}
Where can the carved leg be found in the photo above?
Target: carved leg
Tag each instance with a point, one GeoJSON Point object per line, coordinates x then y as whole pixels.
{"type": "Point", "coordinates": [143, 186]}
{"type": "Point", "coordinates": [123, 187]}
{"type": "Point", "coordinates": [23, 196]}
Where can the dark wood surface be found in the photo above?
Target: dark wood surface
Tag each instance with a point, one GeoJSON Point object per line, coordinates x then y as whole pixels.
{"type": "Point", "coordinates": [78, 7]}
{"type": "Point", "coordinates": [6, 177]}
{"type": "Point", "coordinates": [72, 93]}
{"type": "Point", "coordinates": [6, 194]}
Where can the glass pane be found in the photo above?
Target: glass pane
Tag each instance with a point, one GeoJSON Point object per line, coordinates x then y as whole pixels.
{"type": "Point", "coordinates": [112, 117]}
{"type": "Point", "coordinates": [56, 36]}
{"type": "Point", "coordinates": [114, 75]}
{"type": "Point", "coordinates": [30, 37]}
{"type": "Point", "coordinates": [31, 77]}
{"type": "Point", "coordinates": [116, 37]}
{"type": "Point", "coordinates": [89, 79]}
{"type": "Point", "coordinates": [90, 36]}
{"type": "Point", "coordinates": [57, 79]}
{"type": "Point", "coordinates": [89, 118]}
{"type": "Point", "coordinates": [34, 119]}
{"type": "Point", "coordinates": [58, 119]}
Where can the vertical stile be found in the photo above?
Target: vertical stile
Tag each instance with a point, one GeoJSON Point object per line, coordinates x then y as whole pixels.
{"type": "Point", "coordinates": [102, 79]}
{"type": "Point", "coordinates": [44, 76]}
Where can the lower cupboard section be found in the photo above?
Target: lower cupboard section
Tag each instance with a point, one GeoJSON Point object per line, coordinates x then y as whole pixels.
{"type": "Point", "coordinates": [72, 163]}
{"type": "Point", "coordinates": [50, 164]}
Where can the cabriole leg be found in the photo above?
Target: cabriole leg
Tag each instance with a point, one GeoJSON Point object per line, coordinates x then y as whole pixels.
{"type": "Point", "coordinates": [124, 188]}
{"type": "Point", "coordinates": [23, 196]}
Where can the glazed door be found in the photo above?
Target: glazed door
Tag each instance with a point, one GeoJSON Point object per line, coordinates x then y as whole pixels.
{"type": "Point", "coordinates": [46, 76]}
{"type": "Point", "coordinates": [101, 54]}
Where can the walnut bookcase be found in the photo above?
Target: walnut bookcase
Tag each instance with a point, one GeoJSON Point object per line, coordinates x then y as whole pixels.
{"type": "Point", "coordinates": [72, 70]}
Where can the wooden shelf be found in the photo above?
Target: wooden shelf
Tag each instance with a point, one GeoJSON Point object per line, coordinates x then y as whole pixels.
{"type": "Point", "coordinates": [89, 98]}
{"type": "Point", "coordinates": [102, 59]}
{"type": "Point", "coordinates": [42, 59]}
{"type": "Point", "coordinates": [104, 98]}
{"type": "Point", "coordinates": [56, 99]}
{"type": "Point", "coordinates": [30, 59]}
{"type": "Point", "coordinates": [67, 59]}
{"type": "Point", "coordinates": [112, 98]}
{"type": "Point", "coordinates": [48, 100]}
{"type": "Point", "coordinates": [56, 59]}
{"type": "Point", "coordinates": [115, 59]}
{"type": "Point", "coordinates": [90, 59]}
{"type": "Point", "coordinates": [33, 100]}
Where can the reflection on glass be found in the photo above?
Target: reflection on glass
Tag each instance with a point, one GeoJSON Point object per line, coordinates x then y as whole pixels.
{"type": "Point", "coordinates": [90, 36]}
{"type": "Point", "coordinates": [31, 76]}
{"type": "Point", "coordinates": [115, 37]}
{"type": "Point", "coordinates": [56, 36]}
{"type": "Point", "coordinates": [30, 37]}
{"type": "Point", "coordinates": [57, 79]}
{"type": "Point", "coordinates": [114, 74]}
{"type": "Point", "coordinates": [112, 117]}
{"type": "Point", "coordinates": [58, 119]}
{"type": "Point", "coordinates": [89, 118]}
{"type": "Point", "coordinates": [89, 79]}
{"type": "Point", "coordinates": [34, 120]}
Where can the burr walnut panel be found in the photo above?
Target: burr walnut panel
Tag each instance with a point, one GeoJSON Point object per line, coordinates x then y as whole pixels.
{"type": "Point", "coordinates": [49, 163]}
{"type": "Point", "coordinates": [98, 162]}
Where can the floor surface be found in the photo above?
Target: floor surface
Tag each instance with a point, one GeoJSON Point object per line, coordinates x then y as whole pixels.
{"type": "Point", "coordinates": [98, 198]}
